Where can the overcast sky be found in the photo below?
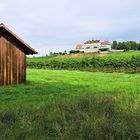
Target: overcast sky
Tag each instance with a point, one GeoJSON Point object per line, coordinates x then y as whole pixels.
{"type": "Point", "coordinates": [58, 25]}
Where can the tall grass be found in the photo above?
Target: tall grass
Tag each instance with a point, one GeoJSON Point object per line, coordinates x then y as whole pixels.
{"type": "Point", "coordinates": [71, 105]}
{"type": "Point", "coordinates": [88, 118]}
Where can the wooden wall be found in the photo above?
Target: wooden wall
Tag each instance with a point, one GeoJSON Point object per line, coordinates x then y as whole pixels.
{"type": "Point", "coordinates": [12, 62]}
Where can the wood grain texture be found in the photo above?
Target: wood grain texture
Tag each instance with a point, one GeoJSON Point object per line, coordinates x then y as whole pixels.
{"type": "Point", "coordinates": [12, 61]}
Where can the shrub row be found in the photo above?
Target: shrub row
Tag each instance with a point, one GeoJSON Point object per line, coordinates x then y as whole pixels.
{"type": "Point", "coordinates": [110, 63]}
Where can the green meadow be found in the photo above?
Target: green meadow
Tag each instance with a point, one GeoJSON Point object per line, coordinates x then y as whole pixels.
{"type": "Point", "coordinates": [71, 105]}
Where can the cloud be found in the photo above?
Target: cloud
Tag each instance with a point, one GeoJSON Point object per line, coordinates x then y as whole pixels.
{"type": "Point", "coordinates": [59, 25]}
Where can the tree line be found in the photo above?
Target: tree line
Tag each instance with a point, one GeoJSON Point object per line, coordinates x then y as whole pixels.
{"type": "Point", "coordinates": [65, 52]}
{"type": "Point", "coordinates": [129, 45]}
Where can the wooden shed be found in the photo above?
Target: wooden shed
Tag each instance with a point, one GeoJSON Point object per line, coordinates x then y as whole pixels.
{"type": "Point", "coordinates": [13, 53]}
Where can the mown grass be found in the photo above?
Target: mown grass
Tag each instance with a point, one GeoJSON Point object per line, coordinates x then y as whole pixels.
{"type": "Point", "coordinates": [71, 105]}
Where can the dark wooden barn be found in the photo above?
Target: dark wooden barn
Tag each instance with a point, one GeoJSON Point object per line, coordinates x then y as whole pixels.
{"type": "Point", "coordinates": [13, 53]}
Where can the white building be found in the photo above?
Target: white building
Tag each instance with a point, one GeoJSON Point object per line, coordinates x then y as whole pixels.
{"type": "Point", "coordinates": [94, 46]}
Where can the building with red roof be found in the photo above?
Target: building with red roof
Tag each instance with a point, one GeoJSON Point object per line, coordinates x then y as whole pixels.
{"type": "Point", "coordinates": [94, 46]}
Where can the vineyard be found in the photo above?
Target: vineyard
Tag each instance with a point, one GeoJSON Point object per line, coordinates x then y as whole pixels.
{"type": "Point", "coordinates": [113, 62]}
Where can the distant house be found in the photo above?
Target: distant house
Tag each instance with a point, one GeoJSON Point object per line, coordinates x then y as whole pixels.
{"type": "Point", "coordinates": [13, 53]}
{"type": "Point", "coordinates": [94, 46]}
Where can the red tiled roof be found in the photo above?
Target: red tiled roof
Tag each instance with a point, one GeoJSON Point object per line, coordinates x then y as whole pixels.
{"type": "Point", "coordinates": [105, 43]}
{"type": "Point", "coordinates": [79, 46]}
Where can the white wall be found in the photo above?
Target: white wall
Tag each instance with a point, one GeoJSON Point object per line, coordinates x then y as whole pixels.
{"type": "Point", "coordinates": [93, 47]}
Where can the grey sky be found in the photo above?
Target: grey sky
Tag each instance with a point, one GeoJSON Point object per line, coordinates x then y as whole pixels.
{"type": "Point", "coordinates": [57, 25]}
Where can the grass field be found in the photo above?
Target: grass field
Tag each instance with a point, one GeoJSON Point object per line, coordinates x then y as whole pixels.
{"type": "Point", "coordinates": [71, 105]}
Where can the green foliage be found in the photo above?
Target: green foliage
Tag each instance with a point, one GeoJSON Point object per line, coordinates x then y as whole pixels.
{"type": "Point", "coordinates": [104, 49]}
{"type": "Point", "coordinates": [114, 62]}
{"type": "Point", "coordinates": [56, 53]}
{"type": "Point", "coordinates": [71, 105]}
{"type": "Point", "coordinates": [74, 51]}
{"type": "Point", "coordinates": [114, 45]}
{"type": "Point", "coordinates": [129, 45]}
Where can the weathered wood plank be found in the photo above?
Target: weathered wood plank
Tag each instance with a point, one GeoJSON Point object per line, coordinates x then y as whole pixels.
{"type": "Point", "coordinates": [12, 62]}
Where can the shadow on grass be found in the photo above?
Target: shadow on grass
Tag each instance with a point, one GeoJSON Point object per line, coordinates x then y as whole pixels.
{"type": "Point", "coordinates": [37, 93]}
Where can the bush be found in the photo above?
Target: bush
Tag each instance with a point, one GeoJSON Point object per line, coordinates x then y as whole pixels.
{"type": "Point", "coordinates": [74, 51]}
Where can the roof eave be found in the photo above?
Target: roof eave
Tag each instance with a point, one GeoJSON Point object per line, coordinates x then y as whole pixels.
{"type": "Point", "coordinates": [19, 39]}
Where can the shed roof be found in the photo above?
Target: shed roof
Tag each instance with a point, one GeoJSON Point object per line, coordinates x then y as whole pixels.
{"type": "Point", "coordinates": [29, 49]}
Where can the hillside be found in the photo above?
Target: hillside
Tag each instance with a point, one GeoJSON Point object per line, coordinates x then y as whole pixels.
{"type": "Point", "coordinates": [71, 105]}
{"type": "Point", "coordinates": [112, 62]}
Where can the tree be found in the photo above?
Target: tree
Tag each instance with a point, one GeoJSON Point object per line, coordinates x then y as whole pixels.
{"type": "Point", "coordinates": [138, 46]}
{"type": "Point", "coordinates": [114, 45]}
{"type": "Point", "coordinates": [65, 52]}
{"type": "Point", "coordinates": [129, 45]}
{"type": "Point", "coordinates": [74, 51]}
{"type": "Point", "coordinates": [120, 46]}
{"type": "Point", "coordinates": [51, 53]}
{"type": "Point", "coordinates": [60, 53]}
